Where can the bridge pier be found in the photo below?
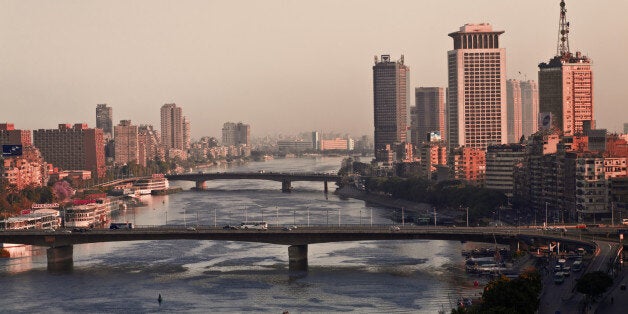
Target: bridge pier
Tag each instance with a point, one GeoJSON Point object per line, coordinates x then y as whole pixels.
{"type": "Point", "coordinates": [297, 257]}
{"type": "Point", "coordinates": [326, 189]}
{"type": "Point", "coordinates": [200, 185]}
{"type": "Point", "coordinates": [60, 258]}
{"type": "Point", "coordinates": [286, 186]}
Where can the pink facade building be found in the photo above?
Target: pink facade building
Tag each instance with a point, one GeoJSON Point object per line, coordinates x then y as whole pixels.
{"type": "Point", "coordinates": [476, 115]}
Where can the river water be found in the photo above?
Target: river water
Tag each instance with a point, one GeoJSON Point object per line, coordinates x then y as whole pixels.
{"type": "Point", "coordinates": [415, 276]}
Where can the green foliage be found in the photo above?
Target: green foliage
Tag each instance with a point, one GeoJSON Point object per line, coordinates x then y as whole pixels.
{"type": "Point", "coordinates": [451, 194]}
{"type": "Point", "coordinates": [520, 295]}
{"type": "Point", "coordinates": [594, 284]}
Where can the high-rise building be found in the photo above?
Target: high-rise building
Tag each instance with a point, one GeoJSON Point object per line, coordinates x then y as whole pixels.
{"type": "Point", "coordinates": [10, 136]}
{"type": "Point", "coordinates": [566, 85]}
{"type": "Point", "coordinates": [104, 120]}
{"type": "Point", "coordinates": [430, 112]}
{"type": "Point", "coordinates": [391, 88]}
{"type": "Point", "coordinates": [172, 127]}
{"type": "Point", "coordinates": [529, 107]}
{"type": "Point", "coordinates": [73, 148]}
{"type": "Point", "coordinates": [149, 145]}
{"type": "Point", "coordinates": [126, 143]}
{"type": "Point", "coordinates": [476, 115]}
{"type": "Point", "coordinates": [187, 133]}
{"type": "Point", "coordinates": [500, 165]}
{"type": "Point", "coordinates": [234, 134]}
{"type": "Point", "coordinates": [514, 110]}
{"type": "Point", "coordinates": [625, 128]}
{"type": "Point", "coordinates": [316, 140]}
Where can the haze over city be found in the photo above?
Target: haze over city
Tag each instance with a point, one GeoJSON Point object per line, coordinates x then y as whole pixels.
{"type": "Point", "coordinates": [281, 66]}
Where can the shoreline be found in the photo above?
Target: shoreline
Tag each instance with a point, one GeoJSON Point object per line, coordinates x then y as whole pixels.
{"type": "Point", "coordinates": [412, 207]}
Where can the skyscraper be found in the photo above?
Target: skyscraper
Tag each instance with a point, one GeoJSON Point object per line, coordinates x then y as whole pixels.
{"type": "Point", "coordinates": [476, 115]}
{"type": "Point", "coordinates": [391, 87]}
{"type": "Point", "coordinates": [529, 107]}
{"type": "Point", "coordinates": [430, 112]}
{"type": "Point", "coordinates": [566, 85]}
{"type": "Point", "coordinates": [187, 133]}
{"type": "Point", "coordinates": [126, 143]}
{"type": "Point", "coordinates": [104, 120]}
{"type": "Point", "coordinates": [172, 127]}
{"type": "Point", "coordinates": [514, 110]}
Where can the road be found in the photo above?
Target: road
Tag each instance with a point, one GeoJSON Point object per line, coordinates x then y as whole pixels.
{"type": "Point", "coordinates": [563, 298]}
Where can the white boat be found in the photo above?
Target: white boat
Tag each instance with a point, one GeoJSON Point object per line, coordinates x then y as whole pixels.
{"type": "Point", "coordinates": [89, 215]}
{"type": "Point", "coordinates": [156, 183]}
{"type": "Point", "coordinates": [36, 219]}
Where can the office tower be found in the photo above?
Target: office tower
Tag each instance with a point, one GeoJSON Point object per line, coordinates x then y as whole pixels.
{"type": "Point", "coordinates": [430, 112]}
{"type": "Point", "coordinates": [476, 115]}
{"type": "Point", "coordinates": [104, 120]}
{"type": "Point", "coordinates": [529, 107]}
{"type": "Point", "coordinates": [513, 110]}
{"type": "Point", "coordinates": [187, 133]}
{"type": "Point", "coordinates": [316, 140]}
{"type": "Point", "coordinates": [234, 134]}
{"type": "Point", "coordinates": [10, 136]}
{"type": "Point", "coordinates": [172, 127]}
{"type": "Point", "coordinates": [73, 147]}
{"type": "Point", "coordinates": [566, 85]}
{"type": "Point", "coordinates": [625, 128]}
{"type": "Point", "coordinates": [126, 143]}
{"type": "Point", "coordinates": [391, 88]}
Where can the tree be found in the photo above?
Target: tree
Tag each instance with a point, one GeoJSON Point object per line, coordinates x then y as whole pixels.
{"type": "Point", "coordinates": [594, 284]}
{"type": "Point", "coordinates": [520, 295]}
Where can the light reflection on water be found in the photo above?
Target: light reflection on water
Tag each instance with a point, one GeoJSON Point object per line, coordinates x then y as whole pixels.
{"type": "Point", "coordinates": [214, 276]}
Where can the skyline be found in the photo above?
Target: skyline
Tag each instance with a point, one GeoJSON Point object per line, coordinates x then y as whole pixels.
{"type": "Point", "coordinates": [280, 66]}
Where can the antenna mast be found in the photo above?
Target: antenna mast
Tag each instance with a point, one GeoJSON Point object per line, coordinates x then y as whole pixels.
{"type": "Point", "coordinates": [562, 49]}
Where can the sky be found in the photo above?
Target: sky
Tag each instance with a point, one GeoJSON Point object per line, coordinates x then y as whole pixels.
{"type": "Point", "coordinates": [282, 66]}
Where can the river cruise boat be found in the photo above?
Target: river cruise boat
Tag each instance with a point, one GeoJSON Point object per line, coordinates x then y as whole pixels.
{"type": "Point", "coordinates": [36, 219]}
{"type": "Point", "coordinates": [96, 213]}
{"type": "Point", "coordinates": [146, 186]}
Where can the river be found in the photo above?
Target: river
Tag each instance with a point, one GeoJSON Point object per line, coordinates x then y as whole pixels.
{"type": "Point", "coordinates": [417, 276]}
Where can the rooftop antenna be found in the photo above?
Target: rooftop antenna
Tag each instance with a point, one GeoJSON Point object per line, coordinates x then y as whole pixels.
{"type": "Point", "coordinates": [562, 49]}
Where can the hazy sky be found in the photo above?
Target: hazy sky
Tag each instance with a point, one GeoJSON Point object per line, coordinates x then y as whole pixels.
{"type": "Point", "coordinates": [281, 66]}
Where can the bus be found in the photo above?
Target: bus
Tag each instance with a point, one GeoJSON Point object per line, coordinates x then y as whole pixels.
{"type": "Point", "coordinates": [257, 225]}
{"type": "Point", "coordinates": [121, 225]}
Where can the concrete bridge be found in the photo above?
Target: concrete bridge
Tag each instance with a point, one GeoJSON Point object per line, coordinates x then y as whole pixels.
{"type": "Point", "coordinates": [286, 178]}
{"type": "Point", "coordinates": [60, 242]}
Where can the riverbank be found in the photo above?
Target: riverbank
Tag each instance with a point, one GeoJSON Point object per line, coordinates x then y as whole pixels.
{"type": "Point", "coordinates": [385, 201]}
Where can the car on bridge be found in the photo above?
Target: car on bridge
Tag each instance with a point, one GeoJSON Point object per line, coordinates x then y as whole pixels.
{"type": "Point", "coordinates": [230, 227]}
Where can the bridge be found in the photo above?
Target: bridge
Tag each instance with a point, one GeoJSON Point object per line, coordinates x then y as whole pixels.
{"type": "Point", "coordinates": [60, 242]}
{"type": "Point", "coordinates": [286, 178]}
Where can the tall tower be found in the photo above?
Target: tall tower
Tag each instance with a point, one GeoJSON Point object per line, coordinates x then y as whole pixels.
{"type": "Point", "coordinates": [476, 115]}
{"type": "Point", "coordinates": [566, 84]}
{"type": "Point", "coordinates": [430, 112]}
{"type": "Point", "coordinates": [172, 126]}
{"type": "Point", "coordinates": [391, 88]}
{"type": "Point", "coordinates": [529, 107]}
{"type": "Point", "coordinates": [187, 133]}
{"type": "Point", "coordinates": [126, 143]}
{"type": "Point", "coordinates": [513, 109]}
{"type": "Point", "coordinates": [104, 120]}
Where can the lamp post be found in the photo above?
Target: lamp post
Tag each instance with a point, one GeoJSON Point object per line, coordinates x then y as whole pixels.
{"type": "Point", "coordinates": [545, 214]}
{"type": "Point", "coordinates": [308, 216]}
{"type": "Point", "coordinates": [294, 217]}
{"type": "Point", "coordinates": [403, 218]}
{"type": "Point", "coordinates": [371, 217]}
{"type": "Point", "coordinates": [277, 215]}
{"type": "Point", "coordinates": [215, 220]}
{"type": "Point", "coordinates": [467, 216]}
{"type": "Point", "coordinates": [360, 217]}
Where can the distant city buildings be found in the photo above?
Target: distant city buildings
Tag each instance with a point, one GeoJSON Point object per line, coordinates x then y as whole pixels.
{"type": "Point", "coordinates": [74, 147]}
{"type": "Point", "coordinates": [104, 120]}
{"type": "Point", "coordinates": [391, 81]}
{"type": "Point", "coordinates": [149, 145]}
{"type": "Point", "coordinates": [126, 143]}
{"type": "Point", "coordinates": [476, 114]}
{"type": "Point", "coordinates": [625, 128]}
{"type": "Point", "coordinates": [429, 113]}
{"type": "Point", "coordinates": [187, 133]}
{"type": "Point", "coordinates": [28, 169]}
{"type": "Point", "coordinates": [500, 165]}
{"type": "Point", "coordinates": [337, 144]}
{"type": "Point", "coordinates": [469, 165]}
{"type": "Point", "coordinates": [10, 136]}
{"type": "Point", "coordinates": [234, 134]}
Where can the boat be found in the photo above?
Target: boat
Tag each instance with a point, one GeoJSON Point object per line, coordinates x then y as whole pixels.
{"type": "Point", "coordinates": [36, 219]}
{"type": "Point", "coordinates": [157, 182]}
{"type": "Point", "coordinates": [92, 214]}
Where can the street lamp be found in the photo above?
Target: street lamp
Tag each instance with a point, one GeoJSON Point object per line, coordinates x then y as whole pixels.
{"type": "Point", "coordinates": [467, 216]}
{"type": "Point", "coordinates": [545, 214]}
{"type": "Point", "coordinates": [360, 217]}
{"type": "Point", "coordinates": [308, 216]}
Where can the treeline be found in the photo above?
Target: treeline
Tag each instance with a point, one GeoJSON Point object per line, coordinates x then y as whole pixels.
{"type": "Point", "coordinates": [448, 194]}
{"type": "Point", "coordinates": [12, 201]}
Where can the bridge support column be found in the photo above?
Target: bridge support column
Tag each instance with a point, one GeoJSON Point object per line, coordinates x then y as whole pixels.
{"type": "Point", "coordinates": [297, 257]}
{"type": "Point", "coordinates": [326, 188]}
{"type": "Point", "coordinates": [286, 186]}
{"type": "Point", "coordinates": [200, 185]}
{"type": "Point", "coordinates": [60, 258]}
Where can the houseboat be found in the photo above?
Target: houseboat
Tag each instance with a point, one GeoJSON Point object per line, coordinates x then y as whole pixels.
{"type": "Point", "coordinates": [155, 183]}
